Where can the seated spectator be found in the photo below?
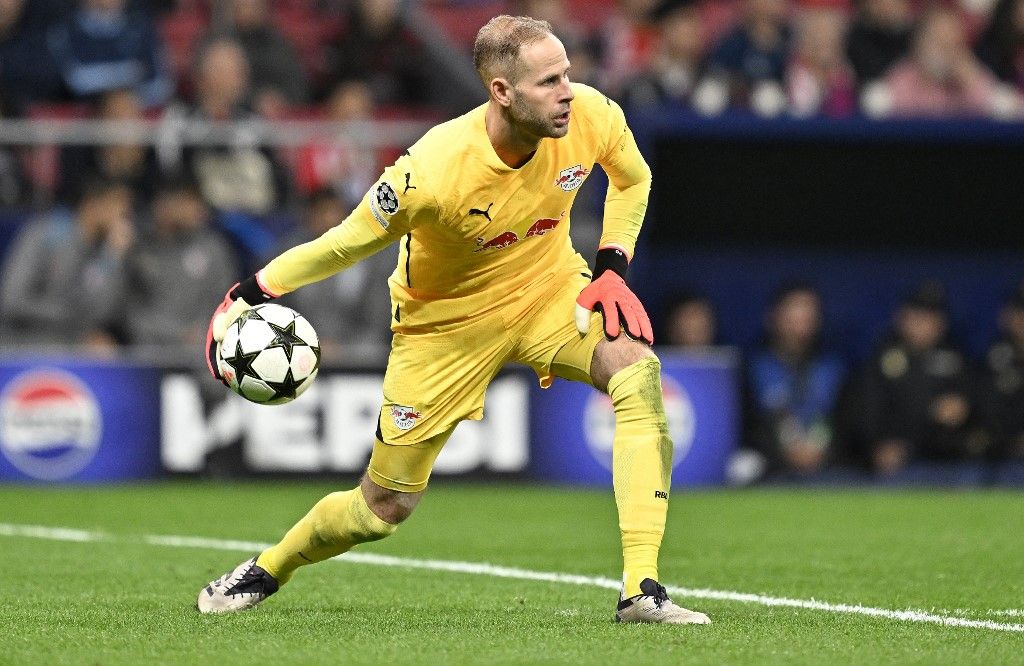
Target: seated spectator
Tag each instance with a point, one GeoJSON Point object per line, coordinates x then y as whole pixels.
{"type": "Point", "coordinates": [104, 47]}
{"type": "Point", "coordinates": [132, 164]}
{"type": "Point", "coordinates": [342, 164]}
{"type": "Point", "coordinates": [580, 48]}
{"type": "Point", "coordinates": [176, 269]}
{"type": "Point", "coordinates": [751, 60]}
{"type": "Point", "coordinates": [377, 48]}
{"type": "Point", "coordinates": [277, 78]}
{"type": "Point", "coordinates": [793, 386]}
{"type": "Point", "coordinates": [1001, 46]}
{"type": "Point", "coordinates": [677, 65]}
{"type": "Point", "coordinates": [63, 280]}
{"type": "Point", "coordinates": [819, 80]}
{"type": "Point", "coordinates": [941, 78]}
{"type": "Point", "coordinates": [1005, 366]}
{"type": "Point", "coordinates": [918, 402]}
{"type": "Point", "coordinates": [879, 37]}
{"type": "Point", "coordinates": [240, 177]}
{"type": "Point", "coordinates": [14, 188]}
{"type": "Point", "coordinates": [28, 72]}
{"type": "Point", "coordinates": [628, 40]}
{"type": "Point", "coordinates": [690, 322]}
{"type": "Point", "coordinates": [350, 310]}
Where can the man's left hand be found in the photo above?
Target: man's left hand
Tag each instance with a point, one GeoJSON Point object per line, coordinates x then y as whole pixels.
{"type": "Point", "coordinates": [609, 294]}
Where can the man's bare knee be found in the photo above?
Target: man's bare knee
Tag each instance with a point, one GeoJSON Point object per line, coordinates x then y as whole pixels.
{"type": "Point", "coordinates": [610, 356]}
{"type": "Point", "coordinates": [389, 505]}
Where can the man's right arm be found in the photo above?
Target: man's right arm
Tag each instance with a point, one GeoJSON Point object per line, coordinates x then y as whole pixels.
{"type": "Point", "coordinates": [387, 212]}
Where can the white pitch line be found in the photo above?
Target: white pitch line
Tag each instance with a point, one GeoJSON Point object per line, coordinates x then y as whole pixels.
{"type": "Point", "coordinates": [483, 569]}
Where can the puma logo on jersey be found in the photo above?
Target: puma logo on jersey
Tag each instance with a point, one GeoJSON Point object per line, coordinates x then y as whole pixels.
{"type": "Point", "coordinates": [484, 213]}
{"type": "Point", "coordinates": [407, 185]}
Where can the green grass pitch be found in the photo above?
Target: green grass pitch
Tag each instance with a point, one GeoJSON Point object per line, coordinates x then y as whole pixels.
{"type": "Point", "coordinates": [121, 601]}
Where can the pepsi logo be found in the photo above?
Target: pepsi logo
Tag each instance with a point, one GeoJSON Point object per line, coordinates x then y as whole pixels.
{"type": "Point", "coordinates": [50, 424]}
{"type": "Point", "coordinates": [599, 423]}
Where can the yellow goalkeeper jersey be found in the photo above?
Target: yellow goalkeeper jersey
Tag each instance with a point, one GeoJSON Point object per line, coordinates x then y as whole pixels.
{"type": "Point", "coordinates": [475, 234]}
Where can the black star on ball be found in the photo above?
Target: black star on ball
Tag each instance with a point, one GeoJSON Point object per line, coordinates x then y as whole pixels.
{"type": "Point", "coordinates": [242, 363]}
{"type": "Point", "coordinates": [285, 338]}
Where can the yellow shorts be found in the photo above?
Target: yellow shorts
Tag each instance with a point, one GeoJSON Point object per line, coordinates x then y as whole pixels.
{"type": "Point", "coordinates": [435, 380]}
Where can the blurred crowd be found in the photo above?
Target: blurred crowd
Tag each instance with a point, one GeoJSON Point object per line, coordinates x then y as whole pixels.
{"type": "Point", "coordinates": [918, 398]}
{"type": "Point", "coordinates": [808, 58]}
{"type": "Point", "coordinates": [132, 244]}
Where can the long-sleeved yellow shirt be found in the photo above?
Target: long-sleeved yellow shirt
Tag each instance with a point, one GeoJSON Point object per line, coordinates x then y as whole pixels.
{"type": "Point", "coordinates": [476, 234]}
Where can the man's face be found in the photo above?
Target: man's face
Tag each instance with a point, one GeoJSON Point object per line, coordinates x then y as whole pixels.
{"type": "Point", "coordinates": [1012, 322]}
{"type": "Point", "coordinates": [105, 5]}
{"type": "Point", "coordinates": [324, 215]}
{"type": "Point", "coordinates": [692, 325]}
{"type": "Point", "coordinates": [541, 93]}
{"type": "Point", "coordinates": [224, 73]}
{"type": "Point", "coordinates": [940, 45]}
{"type": "Point", "coordinates": [797, 320]}
{"type": "Point", "coordinates": [179, 211]}
{"type": "Point", "coordinates": [921, 328]}
{"type": "Point", "coordinates": [107, 211]}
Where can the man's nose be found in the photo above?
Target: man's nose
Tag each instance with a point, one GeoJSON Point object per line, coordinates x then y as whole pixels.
{"type": "Point", "coordinates": [567, 94]}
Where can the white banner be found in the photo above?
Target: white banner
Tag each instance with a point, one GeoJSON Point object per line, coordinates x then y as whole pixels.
{"type": "Point", "coordinates": [331, 428]}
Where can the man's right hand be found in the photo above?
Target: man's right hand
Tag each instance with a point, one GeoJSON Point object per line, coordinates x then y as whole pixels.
{"type": "Point", "coordinates": [241, 297]}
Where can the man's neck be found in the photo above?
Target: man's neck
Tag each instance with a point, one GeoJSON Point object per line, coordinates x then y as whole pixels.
{"type": "Point", "coordinates": [512, 147]}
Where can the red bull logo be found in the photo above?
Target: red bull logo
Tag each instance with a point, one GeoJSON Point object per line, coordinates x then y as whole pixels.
{"type": "Point", "coordinates": [571, 178]}
{"type": "Point", "coordinates": [499, 242]}
{"type": "Point", "coordinates": [405, 416]}
{"type": "Point", "coordinates": [49, 424]}
{"type": "Point", "coordinates": [541, 227]}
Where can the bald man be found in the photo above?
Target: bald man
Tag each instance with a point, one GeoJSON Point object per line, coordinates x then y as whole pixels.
{"type": "Point", "coordinates": [487, 276]}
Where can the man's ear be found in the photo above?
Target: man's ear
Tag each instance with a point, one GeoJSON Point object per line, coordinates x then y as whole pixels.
{"type": "Point", "coordinates": [501, 91]}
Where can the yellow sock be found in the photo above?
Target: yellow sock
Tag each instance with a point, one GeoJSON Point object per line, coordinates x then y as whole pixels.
{"type": "Point", "coordinates": [333, 526]}
{"type": "Point", "coordinates": [641, 468]}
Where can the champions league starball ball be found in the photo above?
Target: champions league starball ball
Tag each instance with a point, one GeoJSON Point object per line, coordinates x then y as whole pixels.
{"type": "Point", "coordinates": [270, 354]}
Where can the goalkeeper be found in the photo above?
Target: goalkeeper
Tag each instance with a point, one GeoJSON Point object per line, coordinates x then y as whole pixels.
{"type": "Point", "coordinates": [487, 276]}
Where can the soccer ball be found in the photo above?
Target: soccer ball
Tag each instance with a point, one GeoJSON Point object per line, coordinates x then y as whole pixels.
{"type": "Point", "coordinates": [270, 354]}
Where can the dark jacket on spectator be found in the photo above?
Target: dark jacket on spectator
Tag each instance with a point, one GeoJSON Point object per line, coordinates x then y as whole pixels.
{"type": "Point", "coordinates": [55, 287]}
{"type": "Point", "coordinates": [792, 401]}
{"type": "Point", "coordinates": [394, 65]}
{"type": "Point", "coordinates": [273, 63]}
{"type": "Point", "coordinates": [28, 72]}
{"type": "Point", "coordinates": [96, 53]}
{"type": "Point", "coordinates": [739, 56]}
{"type": "Point", "coordinates": [898, 394]}
{"type": "Point", "coordinates": [1005, 398]}
{"type": "Point", "coordinates": [163, 311]}
{"type": "Point", "coordinates": [873, 49]}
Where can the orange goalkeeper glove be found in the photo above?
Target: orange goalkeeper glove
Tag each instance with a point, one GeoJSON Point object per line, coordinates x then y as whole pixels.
{"type": "Point", "coordinates": [241, 297]}
{"type": "Point", "coordinates": [609, 295]}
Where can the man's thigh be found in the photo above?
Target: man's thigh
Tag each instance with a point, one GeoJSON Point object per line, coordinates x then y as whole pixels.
{"type": "Point", "coordinates": [550, 343]}
{"type": "Point", "coordinates": [433, 381]}
{"type": "Point", "coordinates": [553, 347]}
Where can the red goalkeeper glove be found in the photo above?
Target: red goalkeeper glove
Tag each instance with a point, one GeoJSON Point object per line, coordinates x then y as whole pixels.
{"type": "Point", "coordinates": [241, 297]}
{"type": "Point", "coordinates": [609, 295]}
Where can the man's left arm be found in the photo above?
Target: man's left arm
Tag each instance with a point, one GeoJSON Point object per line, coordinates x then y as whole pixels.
{"type": "Point", "coordinates": [629, 185]}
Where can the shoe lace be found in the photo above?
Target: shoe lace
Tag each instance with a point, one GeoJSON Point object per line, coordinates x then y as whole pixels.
{"type": "Point", "coordinates": [656, 591]}
{"type": "Point", "coordinates": [249, 583]}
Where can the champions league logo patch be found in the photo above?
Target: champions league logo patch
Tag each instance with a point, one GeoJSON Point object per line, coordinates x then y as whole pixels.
{"type": "Point", "coordinates": [571, 178]}
{"type": "Point", "coordinates": [404, 416]}
{"type": "Point", "coordinates": [383, 202]}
